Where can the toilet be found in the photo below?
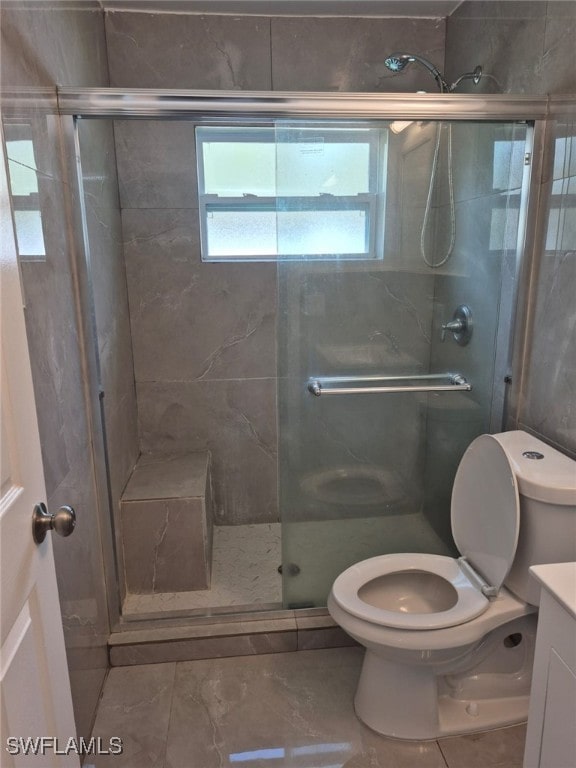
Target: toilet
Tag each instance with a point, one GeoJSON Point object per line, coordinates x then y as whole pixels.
{"type": "Point", "coordinates": [450, 641]}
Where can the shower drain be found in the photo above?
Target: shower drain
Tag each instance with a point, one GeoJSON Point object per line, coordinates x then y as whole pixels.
{"type": "Point", "coordinates": [291, 569]}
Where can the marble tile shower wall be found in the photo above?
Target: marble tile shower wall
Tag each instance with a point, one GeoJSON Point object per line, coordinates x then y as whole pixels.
{"type": "Point", "coordinates": [204, 334]}
{"type": "Point", "coordinates": [528, 47]}
{"type": "Point", "coordinates": [62, 43]}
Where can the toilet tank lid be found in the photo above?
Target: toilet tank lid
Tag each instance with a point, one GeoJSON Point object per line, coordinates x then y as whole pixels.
{"type": "Point", "coordinates": [550, 479]}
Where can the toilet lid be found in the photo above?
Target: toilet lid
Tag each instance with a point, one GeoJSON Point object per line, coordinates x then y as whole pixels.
{"type": "Point", "coordinates": [486, 509]}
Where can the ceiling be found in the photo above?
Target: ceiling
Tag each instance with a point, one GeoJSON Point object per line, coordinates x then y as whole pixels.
{"type": "Point", "coordinates": [372, 8]}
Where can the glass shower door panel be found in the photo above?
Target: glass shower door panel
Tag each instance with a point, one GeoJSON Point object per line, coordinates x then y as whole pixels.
{"type": "Point", "coordinates": [358, 472]}
{"type": "Point", "coordinates": [488, 177]}
{"type": "Point", "coordinates": [350, 466]}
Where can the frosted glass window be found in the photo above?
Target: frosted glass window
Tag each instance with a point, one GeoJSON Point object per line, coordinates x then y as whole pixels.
{"type": "Point", "coordinates": [237, 234]}
{"type": "Point", "coordinates": [24, 194]}
{"type": "Point", "coordinates": [237, 168]}
{"type": "Point", "coordinates": [504, 229]}
{"type": "Point", "coordinates": [313, 166]}
{"type": "Point", "coordinates": [564, 157]}
{"type": "Point", "coordinates": [29, 234]}
{"type": "Point", "coordinates": [508, 164]}
{"type": "Point", "coordinates": [311, 193]}
{"type": "Point", "coordinates": [241, 233]}
{"type": "Point", "coordinates": [561, 232]}
{"type": "Point", "coordinates": [323, 233]}
{"type": "Point", "coordinates": [23, 179]}
{"type": "Point", "coordinates": [566, 186]}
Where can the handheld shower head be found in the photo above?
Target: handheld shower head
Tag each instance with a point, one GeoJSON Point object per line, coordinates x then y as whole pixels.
{"type": "Point", "coordinates": [396, 62]}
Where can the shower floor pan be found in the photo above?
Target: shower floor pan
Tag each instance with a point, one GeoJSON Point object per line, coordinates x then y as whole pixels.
{"type": "Point", "coordinates": [245, 560]}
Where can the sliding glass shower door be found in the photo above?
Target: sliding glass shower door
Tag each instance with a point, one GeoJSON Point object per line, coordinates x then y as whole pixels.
{"type": "Point", "coordinates": [398, 249]}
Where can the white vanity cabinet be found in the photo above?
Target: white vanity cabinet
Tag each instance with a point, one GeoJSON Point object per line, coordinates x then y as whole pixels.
{"type": "Point", "coordinates": [551, 737]}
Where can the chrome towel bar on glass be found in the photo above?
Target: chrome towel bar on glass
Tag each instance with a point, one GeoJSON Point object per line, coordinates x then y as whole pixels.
{"type": "Point", "coordinates": [328, 385]}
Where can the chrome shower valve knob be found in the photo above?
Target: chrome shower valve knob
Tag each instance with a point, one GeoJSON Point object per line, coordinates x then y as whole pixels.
{"type": "Point", "coordinates": [460, 325]}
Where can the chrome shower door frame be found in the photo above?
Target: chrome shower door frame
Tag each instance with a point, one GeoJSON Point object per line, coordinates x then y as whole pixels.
{"type": "Point", "coordinates": [75, 104]}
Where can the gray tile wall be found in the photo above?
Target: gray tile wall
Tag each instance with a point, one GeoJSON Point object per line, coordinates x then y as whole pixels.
{"type": "Point", "coordinates": [204, 334]}
{"type": "Point", "coordinates": [348, 54]}
{"type": "Point", "coordinates": [524, 47]}
{"type": "Point", "coordinates": [63, 44]}
{"type": "Point", "coordinates": [528, 47]}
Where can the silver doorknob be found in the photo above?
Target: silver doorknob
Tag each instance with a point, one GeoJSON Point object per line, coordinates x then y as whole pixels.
{"type": "Point", "coordinates": [63, 522]}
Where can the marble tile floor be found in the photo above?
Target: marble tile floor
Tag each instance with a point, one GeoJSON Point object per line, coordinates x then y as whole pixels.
{"type": "Point", "coordinates": [285, 710]}
{"type": "Point", "coordinates": [245, 559]}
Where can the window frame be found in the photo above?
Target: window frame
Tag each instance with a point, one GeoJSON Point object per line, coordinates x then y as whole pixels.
{"type": "Point", "coordinates": [367, 203]}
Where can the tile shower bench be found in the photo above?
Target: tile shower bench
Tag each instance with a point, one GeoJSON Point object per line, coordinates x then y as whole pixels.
{"type": "Point", "coordinates": [166, 518]}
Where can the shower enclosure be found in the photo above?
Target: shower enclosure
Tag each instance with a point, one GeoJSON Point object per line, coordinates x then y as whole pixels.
{"type": "Point", "coordinates": [381, 389]}
{"type": "Point", "coordinates": [375, 271]}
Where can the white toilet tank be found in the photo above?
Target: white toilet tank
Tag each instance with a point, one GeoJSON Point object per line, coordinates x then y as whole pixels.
{"type": "Point", "coordinates": [547, 489]}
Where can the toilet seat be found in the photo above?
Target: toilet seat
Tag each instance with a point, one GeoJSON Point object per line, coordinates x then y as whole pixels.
{"type": "Point", "coordinates": [470, 602]}
{"type": "Point", "coordinates": [485, 515]}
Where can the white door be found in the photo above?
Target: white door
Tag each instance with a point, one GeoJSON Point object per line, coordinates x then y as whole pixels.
{"type": "Point", "coordinates": [35, 687]}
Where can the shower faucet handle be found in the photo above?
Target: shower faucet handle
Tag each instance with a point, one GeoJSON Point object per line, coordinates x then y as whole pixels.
{"type": "Point", "coordinates": [460, 325]}
{"type": "Point", "coordinates": [454, 326]}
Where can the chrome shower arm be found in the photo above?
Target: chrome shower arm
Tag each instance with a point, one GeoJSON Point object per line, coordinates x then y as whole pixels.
{"type": "Point", "coordinates": [396, 62]}
{"type": "Point", "coordinates": [476, 76]}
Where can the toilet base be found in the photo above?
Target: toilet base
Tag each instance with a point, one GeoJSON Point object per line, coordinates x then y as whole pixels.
{"type": "Point", "coordinates": [403, 702]}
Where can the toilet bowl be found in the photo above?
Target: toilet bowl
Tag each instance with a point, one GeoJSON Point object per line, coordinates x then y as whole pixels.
{"type": "Point", "coordinates": [449, 648]}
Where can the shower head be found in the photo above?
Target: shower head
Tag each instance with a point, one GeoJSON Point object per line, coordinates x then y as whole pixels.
{"type": "Point", "coordinates": [396, 62]}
